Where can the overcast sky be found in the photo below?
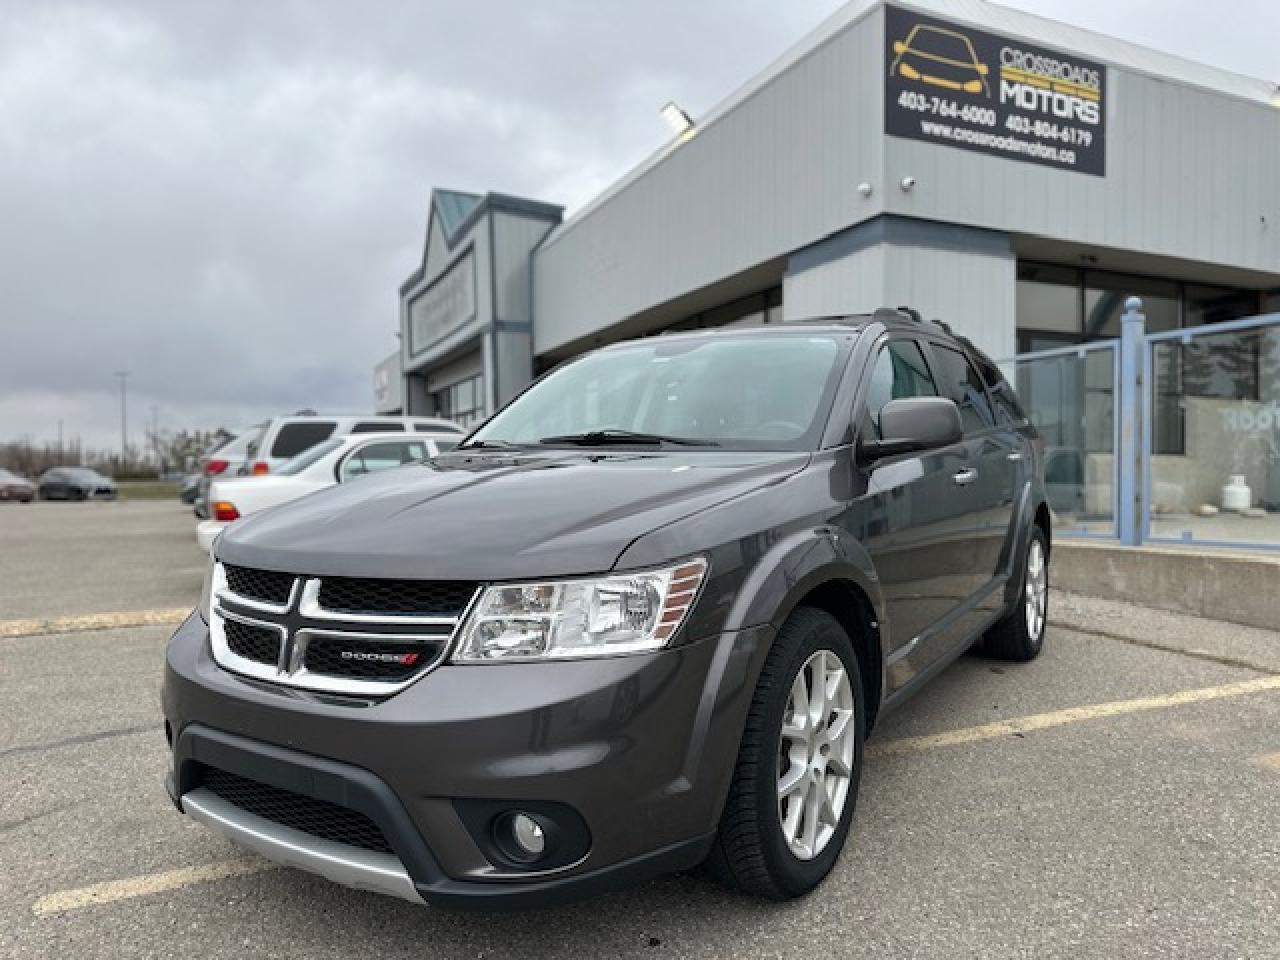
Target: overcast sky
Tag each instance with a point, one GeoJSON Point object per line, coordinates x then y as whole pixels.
{"type": "Point", "coordinates": [223, 198]}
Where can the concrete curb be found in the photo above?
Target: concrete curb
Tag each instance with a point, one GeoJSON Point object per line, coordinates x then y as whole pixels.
{"type": "Point", "coordinates": [1234, 587]}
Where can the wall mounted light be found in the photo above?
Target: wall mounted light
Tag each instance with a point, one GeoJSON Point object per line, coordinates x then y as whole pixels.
{"type": "Point", "coordinates": [681, 123]}
{"type": "Point", "coordinates": [864, 188]}
{"type": "Point", "coordinates": [906, 183]}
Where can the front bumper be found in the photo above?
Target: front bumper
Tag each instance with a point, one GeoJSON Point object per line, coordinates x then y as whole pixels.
{"type": "Point", "coordinates": [641, 748]}
{"type": "Point", "coordinates": [206, 532]}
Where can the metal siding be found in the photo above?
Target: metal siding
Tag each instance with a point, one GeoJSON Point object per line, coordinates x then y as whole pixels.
{"type": "Point", "coordinates": [1190, 172]}
{"type": "Point", "coordinates": [514, 237]}
{"type": "Point", "coordinates": [851, 284]}
{"type": "Point", "coordinates": [1183, 180]}
{"type": "Point", "coordinates": [777, 172]}
{"type": "Point", "coordinates": [973, 292]}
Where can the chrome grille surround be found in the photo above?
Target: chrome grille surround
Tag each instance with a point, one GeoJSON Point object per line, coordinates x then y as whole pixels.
{"type": "Point", "coordinates": [302, 618]}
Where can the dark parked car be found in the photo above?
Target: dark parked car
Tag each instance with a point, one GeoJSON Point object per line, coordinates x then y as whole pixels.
{"type": "Point", "coordinates": [641, 619]}
{"type": "Point", "coordinates": [14, 487]}
{"type": "Point", "coordinates": [75, 483]}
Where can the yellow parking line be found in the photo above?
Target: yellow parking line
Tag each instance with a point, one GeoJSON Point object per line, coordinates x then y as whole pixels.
{"type": "Point", "coordinates": [146, 885]}
{"type": "Point", "coordinates": [40, 626]}
{"type": "Point", "coordinates": [143, 886]}
{"type": "Point", "coordinates": [1059, 718]}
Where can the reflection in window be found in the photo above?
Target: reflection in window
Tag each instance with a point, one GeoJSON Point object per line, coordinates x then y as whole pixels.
{"type": "Point", "coordinates": [900, 372]}
{"type": "Point", "coordinates": [1105, 295]}
{"type": "Point", "coordinates": [962, 384]}
{"type": "Point", "coordinates": [1218, 305]}
{"type": "Point", "coordinates": [462, 402]}
{"type": "Point", "coordinates": [1048, 298]}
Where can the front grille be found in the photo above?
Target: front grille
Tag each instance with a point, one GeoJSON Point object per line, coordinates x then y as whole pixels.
{"type": "Point", "coordinates": [325, 655]}
{"type": "Point", "coordinates": [319, 818]}
{"type": "Point", "coordinates": [266, 586]}
{"type": "Point", "coordinates": [444, 598]}
{"type": "Point", "coordinates": [252, 642]}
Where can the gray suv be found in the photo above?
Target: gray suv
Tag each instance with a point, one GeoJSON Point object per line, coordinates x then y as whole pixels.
{"type": "Point", "coordinates": [642, 619]}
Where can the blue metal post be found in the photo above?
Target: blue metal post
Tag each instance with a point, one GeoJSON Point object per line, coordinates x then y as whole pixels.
{"type": "Point", "coordinates": [1132, 333]}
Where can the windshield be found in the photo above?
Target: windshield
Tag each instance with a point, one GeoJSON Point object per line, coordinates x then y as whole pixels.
{"type": "Point", "coordinates": [744, 393]}
{"type": "Point", "coordinates": [237, 445]}
{"type": "Point", "coordinates": [304, 460]}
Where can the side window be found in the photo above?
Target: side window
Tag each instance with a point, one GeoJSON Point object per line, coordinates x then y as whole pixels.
{"type": "Point", "coordinates": [960, 382]}
{"type": "Point", "coordinates": [376, 457]}
{"type": "Point", "coordinates": [377, 426]}
{"type": "Point", "coordinates": [1003, 398]}
{"type": "Point", "coordinates": [899, 371]}
{"type": "Point", "coordinates": [294, 438]}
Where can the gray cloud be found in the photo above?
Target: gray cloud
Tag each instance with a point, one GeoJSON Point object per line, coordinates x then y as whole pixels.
{"type": "Point", "coordinates": [223, 198]}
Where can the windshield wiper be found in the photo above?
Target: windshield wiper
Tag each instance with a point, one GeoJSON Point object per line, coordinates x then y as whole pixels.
{"type": "Point", "coordinates": [599, 438]}
{"type": "Point", "coordinates": [487, 445]}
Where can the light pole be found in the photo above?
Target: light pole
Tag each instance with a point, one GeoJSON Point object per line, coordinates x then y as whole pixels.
{"type": "Point", "coordinates": [124, 430]}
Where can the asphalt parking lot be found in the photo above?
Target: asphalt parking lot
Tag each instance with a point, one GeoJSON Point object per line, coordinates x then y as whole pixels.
{"type": "Point", "coordinates": [1120, 797]}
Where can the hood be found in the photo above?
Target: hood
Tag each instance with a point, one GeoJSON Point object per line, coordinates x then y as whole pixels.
{"type": "Point", "coordinates": [496, 516]}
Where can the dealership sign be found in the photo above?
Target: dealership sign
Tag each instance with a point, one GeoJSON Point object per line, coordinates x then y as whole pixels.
{"type": "Point", "coordinates": [448, 303]}
{"type": "Point", "coordinates": [953, 85]}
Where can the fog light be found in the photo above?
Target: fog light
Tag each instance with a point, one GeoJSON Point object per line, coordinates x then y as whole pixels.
{"type": "Point", "coordinates": [528, 835]}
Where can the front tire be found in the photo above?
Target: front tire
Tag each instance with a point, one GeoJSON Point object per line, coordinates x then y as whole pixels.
{"type": "Point", "coordinates": [1020, 635]}
{"type": "Point", "coordinates": [796, 782]}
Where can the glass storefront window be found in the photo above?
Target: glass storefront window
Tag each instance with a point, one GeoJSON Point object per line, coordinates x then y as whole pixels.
{"type": "Point", "coordinates": [1106, 293]}
{"type": "Point", "coordinates": [1217, 305]}
{"type": "Point", "coordinates": [757, 309]}
{"type": "Point", "coordinates": [1225, 483]}
{"type": "Point", "coordinates": [462, 402]}
{"type": "Point", "coordinates": [1048, 298]}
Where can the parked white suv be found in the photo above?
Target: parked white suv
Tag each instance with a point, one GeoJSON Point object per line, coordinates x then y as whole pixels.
{"type": "Point", "coordinates": [336, 460]}
{"type": "Point", "coordinates": [283, 438]}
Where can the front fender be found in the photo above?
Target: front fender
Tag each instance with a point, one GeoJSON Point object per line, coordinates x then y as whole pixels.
{"type": "Point", "coordinates": [794, 566]}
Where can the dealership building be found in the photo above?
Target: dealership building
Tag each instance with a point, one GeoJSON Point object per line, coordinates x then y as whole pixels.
{"type": "Point", "coordinates": [1012, 175]}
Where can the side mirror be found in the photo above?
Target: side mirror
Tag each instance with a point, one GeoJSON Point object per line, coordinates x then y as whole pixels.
{"type": "Point", "coordinates": [913, 424]}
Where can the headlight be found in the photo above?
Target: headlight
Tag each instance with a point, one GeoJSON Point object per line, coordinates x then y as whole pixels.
{"type": "Point", "coordinates": [206, 592]}
{"type": "Point", "coordinates": [571, 619]}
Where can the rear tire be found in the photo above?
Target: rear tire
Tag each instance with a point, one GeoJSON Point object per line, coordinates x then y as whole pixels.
{"type": "Point", "coordinates": [816, 746]}
{"type": "Point", "coordinates": [1020, 635]}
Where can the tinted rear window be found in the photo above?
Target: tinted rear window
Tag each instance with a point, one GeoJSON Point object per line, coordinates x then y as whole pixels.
{"type": "Point", "coordinates": [1008, 410]}
{"type": "Point", "coordinates": [377, 426]}
{"type": "Point", "coordinates": [959, 381]}
{"type": "Point", "coordinates": [294, 438]}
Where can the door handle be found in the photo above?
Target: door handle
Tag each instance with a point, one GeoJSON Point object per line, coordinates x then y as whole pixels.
{"type": "Point", "coordinates": [1014, 457]}
{"type": "Point", "coordinates": [965, 477]}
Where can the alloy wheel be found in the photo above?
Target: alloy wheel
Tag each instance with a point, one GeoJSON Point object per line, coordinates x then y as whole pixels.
{"type": "Point", "coordinates": [1037, 590]}
{"type": "Point", "coordinates": [815, 754]}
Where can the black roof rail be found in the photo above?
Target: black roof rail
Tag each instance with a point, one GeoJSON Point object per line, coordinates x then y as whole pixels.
{"type": "Point", "coordinates": [889, 314]}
